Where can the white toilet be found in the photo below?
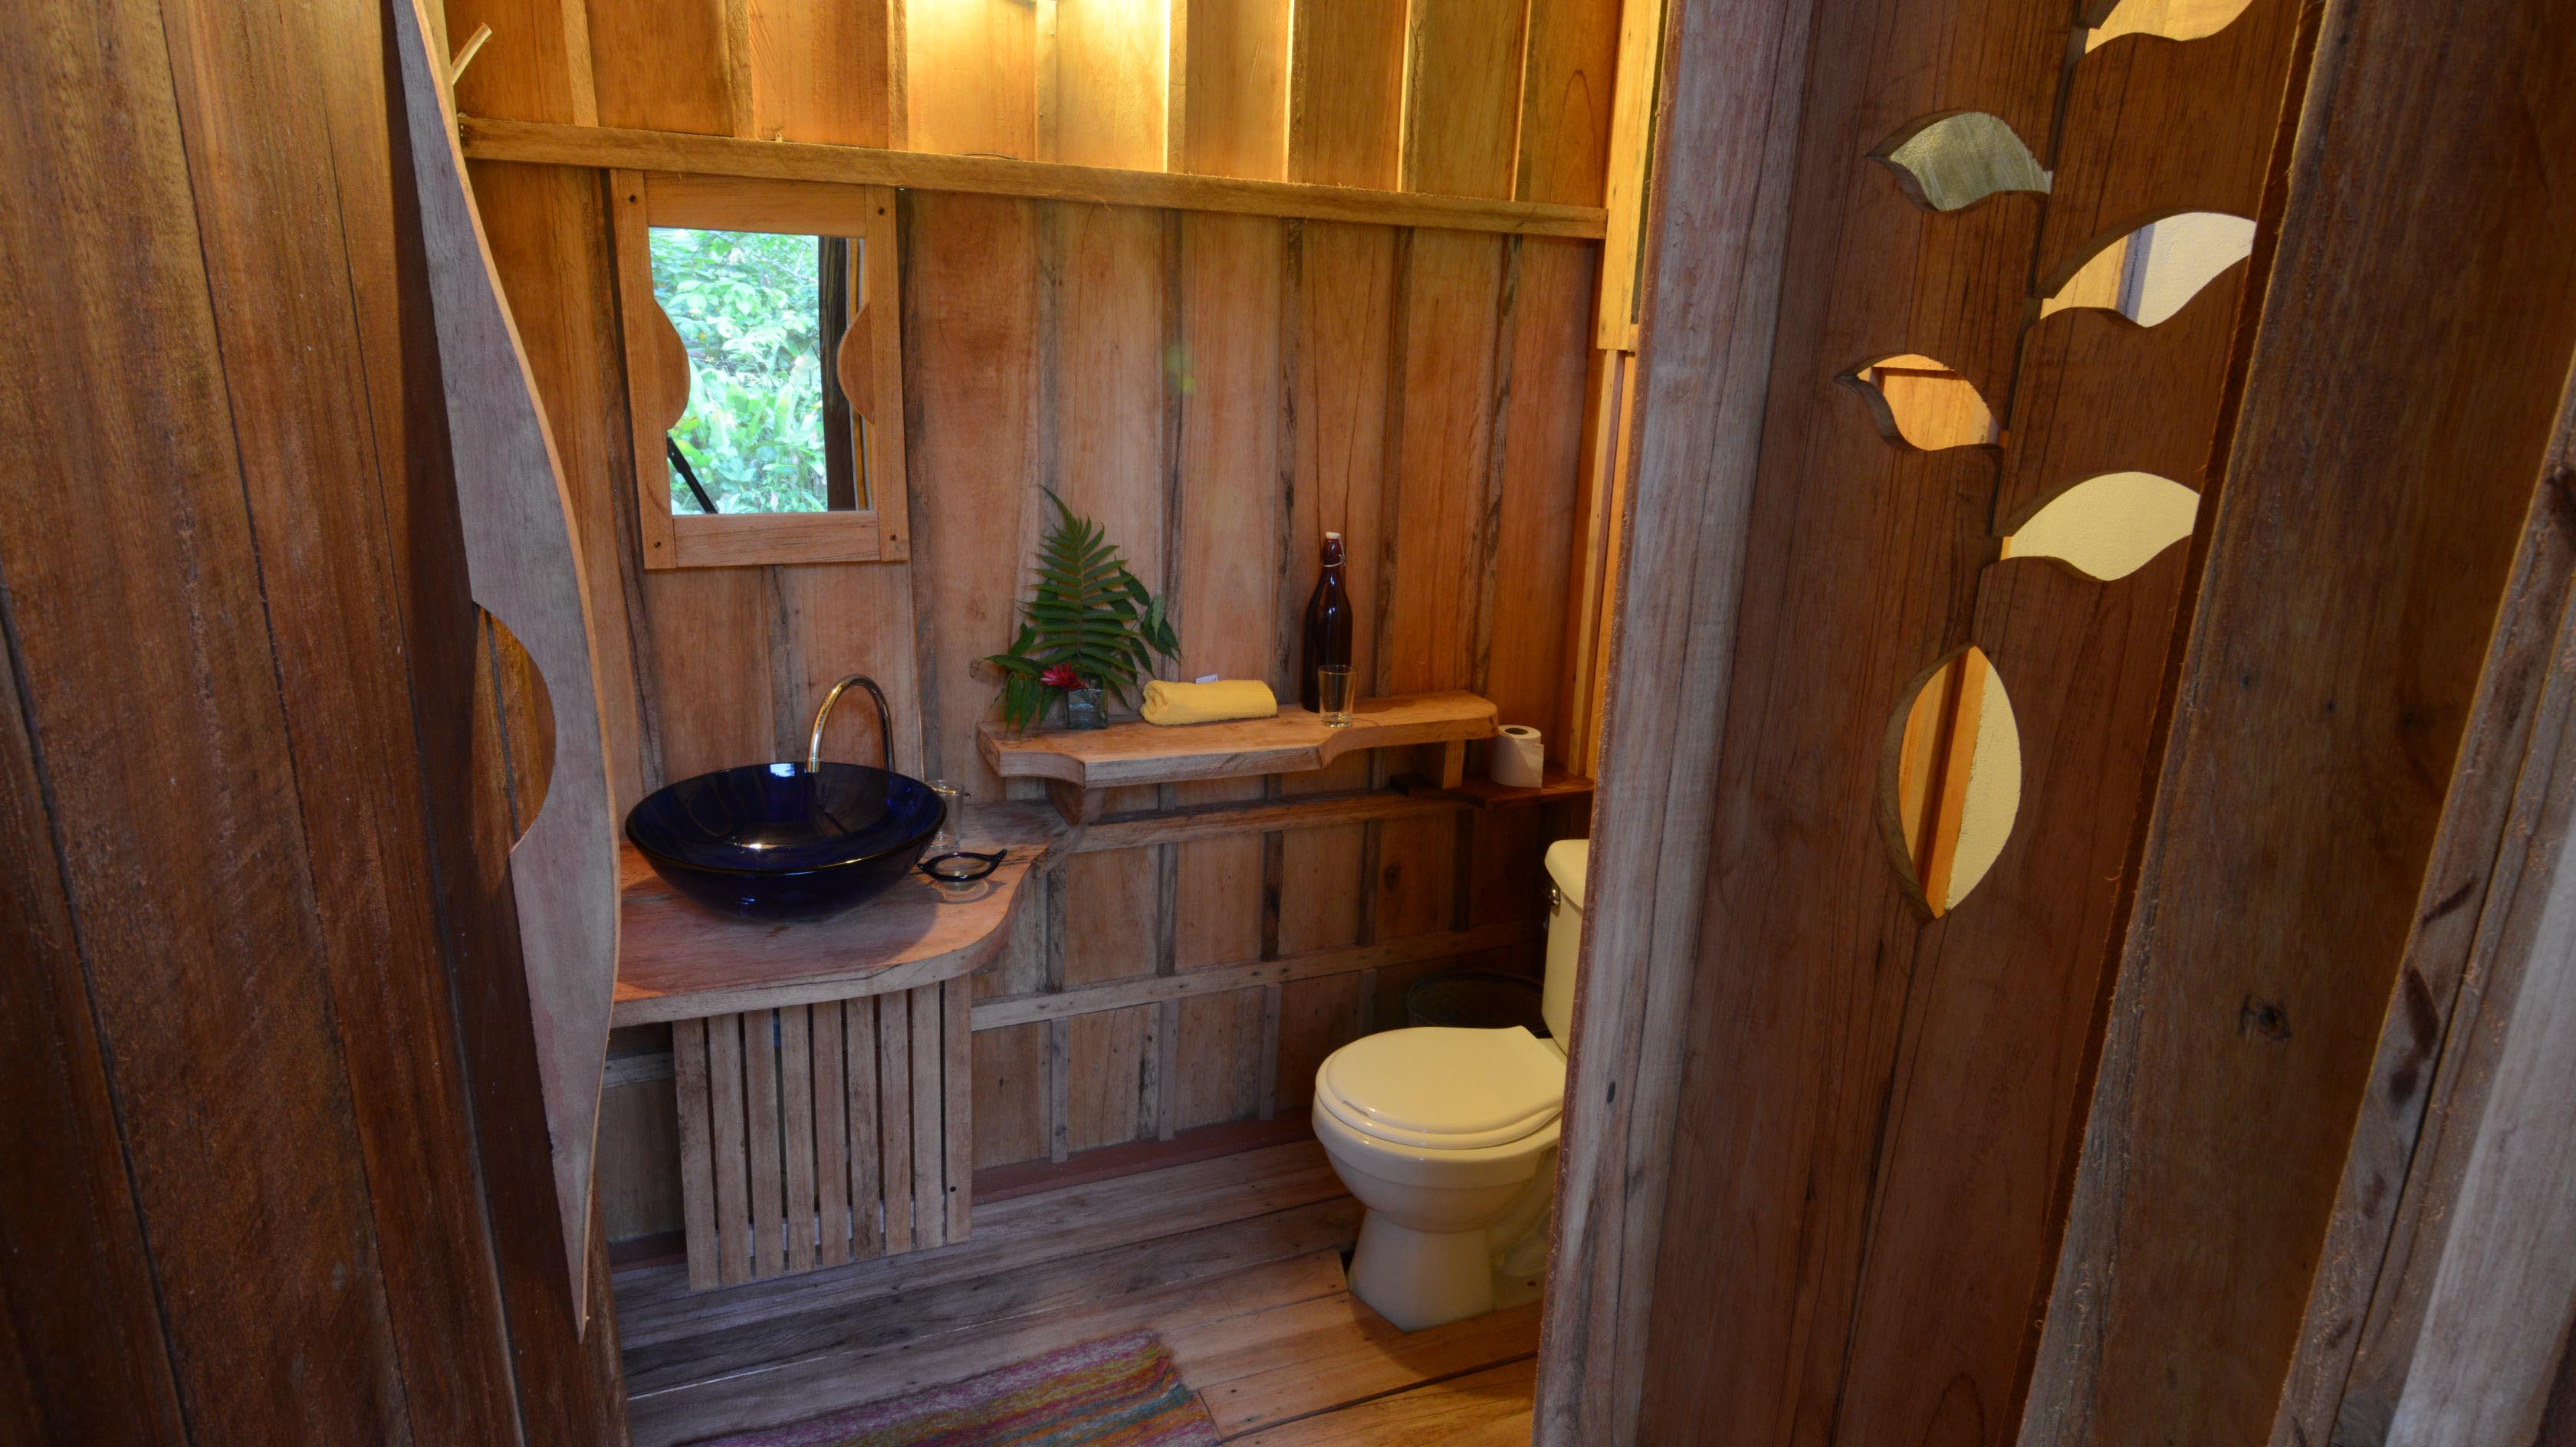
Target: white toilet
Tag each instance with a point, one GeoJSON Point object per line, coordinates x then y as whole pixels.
{"type": "Point", "coordinates": [1448, 1137]}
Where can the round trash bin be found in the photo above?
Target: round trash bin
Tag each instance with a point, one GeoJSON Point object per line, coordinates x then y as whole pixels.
{"type": "Point", "coordinates": [1474, 999]}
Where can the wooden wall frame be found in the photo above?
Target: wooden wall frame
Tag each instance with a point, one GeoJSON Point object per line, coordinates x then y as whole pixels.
{"type": "Point", "coordinates": [2397, 586]}
{"type": "Point", "coordinates": [868, 360]}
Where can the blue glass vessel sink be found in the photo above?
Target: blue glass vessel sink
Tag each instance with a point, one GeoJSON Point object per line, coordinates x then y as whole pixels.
{"type": "Point", "coordinates": [784, 841]}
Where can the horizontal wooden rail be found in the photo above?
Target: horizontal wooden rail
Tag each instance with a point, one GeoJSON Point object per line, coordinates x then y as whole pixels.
{"type": "Point", "coordinates": [1313, 811]}
{"type": "Point", "coordinates": [1222, 979]}
{"type": "Point", "coordinates": [610, 147]}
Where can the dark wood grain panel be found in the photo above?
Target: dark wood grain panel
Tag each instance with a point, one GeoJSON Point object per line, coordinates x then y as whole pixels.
{"type": "Point", "coordinates": [2272, 915]}
{"type": "Point", "coordinates": [304, 382]}
{"type": "Point", "coordinates": [211, 949]}
{"type": "Point", "coordinates": [79, 1287]}
{"type": "Point", "coordinates": [2153, 127]}
{"type": "Point", "coordinates": [1881, 1279]}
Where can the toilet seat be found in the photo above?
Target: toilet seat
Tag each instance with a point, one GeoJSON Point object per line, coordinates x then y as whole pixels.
{"type": "Point", "coordinates": [1440, 1089]}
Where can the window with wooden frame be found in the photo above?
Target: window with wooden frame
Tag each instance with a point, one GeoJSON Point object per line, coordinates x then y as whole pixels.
{"type": "Point", "coordinates": [786, 487]}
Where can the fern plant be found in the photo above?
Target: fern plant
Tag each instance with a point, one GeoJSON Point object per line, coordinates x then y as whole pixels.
{"type": "Point", "coordinates": [1088, 623]}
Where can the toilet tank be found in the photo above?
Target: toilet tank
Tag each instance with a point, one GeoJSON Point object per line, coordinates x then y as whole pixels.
{"type": "Point", "coordinates": [1566, 861]}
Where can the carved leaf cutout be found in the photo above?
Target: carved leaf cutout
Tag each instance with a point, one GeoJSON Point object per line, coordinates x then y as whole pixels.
{"type": "Point", "coordinates": [1950, 161]}
{"type": "Point", "coordinates": [1954, 776]}
{"type": "Point", "coordinates": [2155, 271]}
{"type": "Point", "coordinates": [2170, 19]}
{"type": "Point", "coordinates": [2109, 526]}
{"type": "Point", "coordinates": [1917, 402]}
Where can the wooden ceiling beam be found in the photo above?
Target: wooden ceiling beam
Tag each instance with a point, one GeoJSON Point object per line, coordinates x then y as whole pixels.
{"type": "Point", "coordinates": [610, 147]}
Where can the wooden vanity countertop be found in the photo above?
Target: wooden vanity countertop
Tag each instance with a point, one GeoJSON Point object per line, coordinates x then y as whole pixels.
{"type": "Point", "coordinates": [677, 960]}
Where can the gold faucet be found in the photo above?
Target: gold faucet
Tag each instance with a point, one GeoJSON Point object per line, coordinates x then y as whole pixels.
{"type": "Point", "coordinates": [885, 722]}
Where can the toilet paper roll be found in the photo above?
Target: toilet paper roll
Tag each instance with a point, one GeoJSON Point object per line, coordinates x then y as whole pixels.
{"type": "Point", "coordinates": [1518, 758]}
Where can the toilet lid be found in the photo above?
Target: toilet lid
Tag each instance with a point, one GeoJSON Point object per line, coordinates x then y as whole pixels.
{"type": "Point", "coordinates": [1439, 1088]}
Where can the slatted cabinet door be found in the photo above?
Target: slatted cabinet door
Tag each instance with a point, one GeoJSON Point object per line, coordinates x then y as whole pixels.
{"type": "Point", "coordinates": [816, 1135]}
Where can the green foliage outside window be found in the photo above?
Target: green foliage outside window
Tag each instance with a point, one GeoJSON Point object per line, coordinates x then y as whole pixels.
{"type": "Point", "coordinates": [746, 305]}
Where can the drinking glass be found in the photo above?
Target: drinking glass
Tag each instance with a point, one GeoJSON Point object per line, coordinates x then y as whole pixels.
{"type": "Point", "coordinates": [1333, 690]}
{"type": "Point", "coordinates": [945, 841]}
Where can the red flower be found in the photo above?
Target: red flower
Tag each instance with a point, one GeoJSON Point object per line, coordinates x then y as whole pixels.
{"type": "Point", "coordinates": [1061, 676]}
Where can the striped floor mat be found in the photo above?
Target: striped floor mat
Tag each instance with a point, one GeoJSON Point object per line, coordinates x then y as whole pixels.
{"type": "Point", "coordinates": [1121, 1392]}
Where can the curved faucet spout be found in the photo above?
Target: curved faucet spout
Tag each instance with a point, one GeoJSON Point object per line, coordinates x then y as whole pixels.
{"type": "Point", "coordinates": [885, 722]}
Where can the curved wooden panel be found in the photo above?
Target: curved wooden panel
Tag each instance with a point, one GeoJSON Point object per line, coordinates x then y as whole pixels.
{"type": "Point", "coordinates": [2099, 394]}
{"type": "Point", "coordinates": [522, 567]}
{"type": "Point", "coordinates": [2155, 127]}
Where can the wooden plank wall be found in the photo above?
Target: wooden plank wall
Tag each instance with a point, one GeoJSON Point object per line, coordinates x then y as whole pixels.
{"type": "Point", "coordinates": [2292, 1070]}
{"type": "Point", "coordinates": [1218, 390]}
{"type": "Point", "coordinates": [1839, 1047]}
{"type": "Point", "coordinates": [277, 1168]}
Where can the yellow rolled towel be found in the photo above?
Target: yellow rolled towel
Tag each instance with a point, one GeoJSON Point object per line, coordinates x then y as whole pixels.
{"type": "Point", "coordinates": [1197, 703]}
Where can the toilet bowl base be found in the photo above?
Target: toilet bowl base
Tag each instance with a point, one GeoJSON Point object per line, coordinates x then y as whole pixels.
{"type": "Point", "coordinates": [1418, 1279]}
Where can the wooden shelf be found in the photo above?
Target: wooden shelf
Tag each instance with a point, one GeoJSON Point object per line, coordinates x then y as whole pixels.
{"type": "Point", "coordinates": [1554, 784]}
{"type": "Point", "coordinates": [679, 961]}
{"type": "Point", "coordinates": [1079, 762]}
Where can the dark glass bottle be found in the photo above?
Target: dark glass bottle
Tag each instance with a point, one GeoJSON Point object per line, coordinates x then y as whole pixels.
{"type": "Point", "coordinates": [1328, 624]}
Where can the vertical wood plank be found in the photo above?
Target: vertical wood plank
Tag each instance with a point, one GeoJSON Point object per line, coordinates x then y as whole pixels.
{"type": "Point", "coordinates": [1567, 79]}
{"type": "Point", "coordinates": [666, 67]}
{"type": "Point", "coordinates": [761, 1142]}
{"type": "Point", "coordinates": [1591, 588]}
{"type": "Point", "coordinates": [66, 1202]}
{"type": "Point", "coordinates": [1233, 92]}
{"type": "Point", "coordinates": [1266, 1070]}
{"type": "Point", "coordinates": [731, 1156]}
{"type": "Point", "coordinates": [970, 308]}
{"type": "Point", "coordinates": [1539, 460]}
{"type": "Point", "coordinates": [2199, 1198]}
{"type": "Point", "coordinates": [1219, 1069]}
{"type": "Point", "coordinates": [300, 244]}
{"type": "Point", "coordinates": [831, 1136]}
{"type": "Point", "coordinates": [1338, 345]}
{"type": "Point", "coordinates": [639, 1182]}
{"type": "Point", "coordinates": [1316, 1017]}
{"type": "Point", "coordinates": [796, 1132]}
{"type": "Point", "coordinates": [929, 1100]}
{"type": "Point", "coordinates": [1704, 392]}
{"type": "Point", "coordinates": [549, 233]}
{"type": "Point", "coordinates": [1225, 593]}
{"type": "Point", "coordinates": [1109, 462]}
{"type": "Point", "coordinates": [1105, 67]}
{"type": "Point", "coordinates": [711, 632]}
{"type": "Point", "coordinates": [867, 1134]}
{"type": "Point", "coordinates": [1010, 1071]}
{"type": "Point", "coordinates": [545, 77]}
{"type": "Point", "coordinates": [1345, 128]}
{"type": "Point", "coordinates": [894, 1117]}
{"type": "Point", "coordinates": [1112, 908]}
{"type": "Point", "coordinates": [1632, 123]}
{"type": "Point", "coordinates": [2365, 1316]}
{"type": "Point", "coordinates": [970, 78]}
{"type": "Point", "coordinates": [697, 1152]}
{"type": "Point", "coordinates": [1167, 1069]}
{"type": "Point", "coordinates": [833, 620]}
{"type": "Point", "coordinates": [1440, 441]}
{"type": "Point", "coordinates": [957, 1085]}
{"type": "Point", "coordinates": [567, 1384]}
{"type": "Point", "coordinates": [819, 71]}
{"type": "Point", "coordinates": [1320, 899]}
{"type": "Point", "coordinates": [1059, 1089]}
{"type": "Point", "coordinates": [1346, 93]}
{"type": "Point", "coordinates": [1110, 1097]}
{"type": "Point", "coordinates": [1462, 93]}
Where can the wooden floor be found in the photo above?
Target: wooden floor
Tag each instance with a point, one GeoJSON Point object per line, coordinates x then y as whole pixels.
{"type": "Point", "coordinates": [1236, 1262]}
